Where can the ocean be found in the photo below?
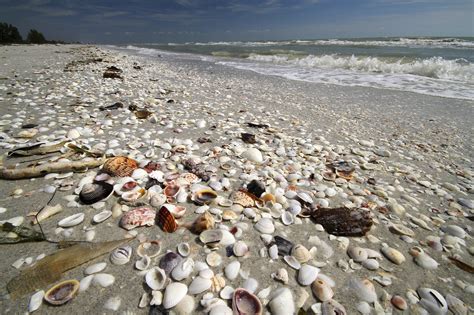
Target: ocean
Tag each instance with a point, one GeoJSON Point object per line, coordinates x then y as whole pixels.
{"type": "Point", "coordinates": [430, 65]}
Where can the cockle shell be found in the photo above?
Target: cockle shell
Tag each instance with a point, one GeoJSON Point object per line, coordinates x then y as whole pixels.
{"type": "Point", "coordinates": [199, 285]}
{"type": "Point", "coordinates": [94, 192]}
{"type": "Point", "coordinates": [307, 274]}
{"type": "Point", "coordinates": [142, 216]}
{"type": "Point", "coordinates": [120, 166]}
{"type": "Point", "coordinates": [62, 292]}
{"type": "Point", "coordinates": [244, 302]}
{"type": "Point", "coordinates": [121, 255]}
{"type": "Point", "coordinates": [166, 220]}
{"type": "Point", "coordinates": [156, 278]}
{"type": "Point", "coordinates": [174, 293]}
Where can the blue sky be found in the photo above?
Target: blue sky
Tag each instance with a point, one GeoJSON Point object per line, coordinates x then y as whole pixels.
{"type": "Point", "coordinates": [135, 21]}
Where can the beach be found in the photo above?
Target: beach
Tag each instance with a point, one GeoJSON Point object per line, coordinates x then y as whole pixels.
{"type": "Point", "coordinates": [410, 156]}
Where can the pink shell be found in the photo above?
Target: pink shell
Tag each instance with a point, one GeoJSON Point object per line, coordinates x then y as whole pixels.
{"type": "Point", "coordinates": [142, 216]}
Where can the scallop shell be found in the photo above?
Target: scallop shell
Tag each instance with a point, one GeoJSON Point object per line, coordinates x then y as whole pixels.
{"type": "Point", "coordinates": [120, 166]}
{"type": "Point", "coordinates": [244, 302]}
{"type": "Point", "coordinates": [322, 290]}
{"type": "Point", "coordinates": [204, 196]}
{"type": "Point", "coordinates": [121, 255]}
{"type": "Point", "coordinates": [307, 274]}
{"type": "Point", "coordinates": [62, 292]}
{"type": "Point", "coordinates": [72, 220]}
{"type": "Point", "coordinates": [301, 253]}
{"type": "Point", "coordinates": [156, 278]}
{"type": "Point", "coordinates": [149, 248]}
{"type": "Point", "coordinates": [94, 192]}
{"type": "Point", "coordinates": [142, 216]}
{"type": "Point", "coordinates": [102, 216]}
{"type": "Point", "coordinates": [166, 220]}
{"type": "Point", "coordinates": [174, 293]}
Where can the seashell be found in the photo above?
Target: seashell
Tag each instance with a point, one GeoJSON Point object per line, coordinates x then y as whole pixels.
{"type": "Point", "coordinates": [364, 289]}
{"type": "Point", "coordinates": [358, 254]}
{"type": "Point", "coordinates": [253, 155]}
{"type": "Point", "coordinates": [228, 215]}
{"type": "Point", "coordinates": [281, 275]}
{"type": "Point", "coordinates": [199, 285]}
{"type": "Point", "coordinates": [292, 262]}
{"type": "Point", "coordinates": [206, 272]}
{"type": "Point", "coordinates": [47, 212]}
{"type": "Point", "coordinates": [120, 166]}
{"type": "Point", "coordinates": [189, 178]}
{"type": "Point", "coordinates": [244, 302]}
{"type": "Point", "coordinates": [268, 198]}
{"type": "Point", "coordinates": [393, 255]}
{"type": "Point", "coordinates": [139, 173]}
{"type": "Point", "coordinates": [285, 247]}
{"type": "Point", "coordinates": [183, 249]}
{"type": "Point", "coordinates": [134, 194]}
{"type": "Point", "coordinates": [250, 285]}
{"type": "Point", "coordinates": [226, 293]}
{"type": "Point", "coordinates": [332, 307]}
{"type": "Point", "coordinates": [231, 271]}
{"type": "Point", "coordinates": [256, 188]}
{"type": "Point", "coordinates": [454, 230]}
{"type": "Point", "coordinates": [301, 253]}
{"type": "Point", "coordinates": [85, 283]}
{"type": "Point", "coordinates": [62, 292]}
{"type": "Point", "coordinates": [102, 216]}
{"type": "Point", "coordinates": [344, 221]}
{"type": "Point", "coordinates": [240, 248]}
{"type": "Point", "coordinates": [156, 278]}
{"type": "Point", "coordinates": [95, 268]}
{"type": "Point", "coordinates": [422, 259]}
{"type": "Point", "coordinates": [72, 220]}
{"type": "Point", "coordinates": [211, 237]}
{"type": "Point", "coordinates": [265, 226]}
{"type": "Point", "coordinates": [456, 306]}
{"type": "Point", "coordinates": [282, 302]}
{"type": "Point", "coordinates": [183, 269]}
{"type": "Point", "coordinates": [142, 216]}
{"type": "Point", "coordinates": [166, 220]}
{"type": "Point", "coordinates": [322, 290]}
{"type": "Point", "coordinates": [213, 259]}
{"type": "Point", "coordinates": [243, 198]}
{"type": "Point", "coordinates": [185, 306]}
{"type": "Point", "coordinates": [143, 263]}
{"type": "Point", "coordinates": [149, 248]}
{"type": "Point", "coordinates": [432, 301]}
{"type": "Point", "coordinates": [371, 264]}
{"type": "Point", "coordinates": [121, 255]}
{"type": "Point", "coordinates": [171, 190]}
{"type": "Point", "coordinates": [35, 301]}
{"type": "Point", "coordinates": [220, 309]}
{"type": "Point", "coordinates": [287, 218]}
{"type": "Point", "coordinates": [401, 230]}
{"type": "Point", "coordinates": [399, 302]}
{"type": "Point", "coordinates": [113, 303]}
{"type": "Point", "coordinates": [307, 274]}
{"type": "Point", "coordinates": [204, 221]}
{"type": "Point", "coordinates": [174, 293]}
{"type": "Point", "coordinates": [218, 282]}
{"type": "Point", "coordinates": [169, 261]}
{"type": "Point", "coordinates": [204, 196]}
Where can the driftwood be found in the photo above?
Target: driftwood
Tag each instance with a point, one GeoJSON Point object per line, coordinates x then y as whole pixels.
{"type": "Point", "coordinates": [43, 169]}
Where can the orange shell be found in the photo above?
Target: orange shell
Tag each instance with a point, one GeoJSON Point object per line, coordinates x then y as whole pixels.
{"type": "Point", "coordinates": [120, 166]}
{"type": "Point", "coordinates": [166, 221]}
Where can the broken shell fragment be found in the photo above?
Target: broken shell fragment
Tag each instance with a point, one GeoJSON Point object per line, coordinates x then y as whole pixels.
{"type": "Point", "coordinates": [244, 302]}
{"type": "Point", "coordinates": [204, 221]}
{"type": "Point", "coordinates": [343, 221]}
{"type": "Point", "coordinates": [120, 166]}
{"type": "Point", "coordinates": [307, 274]}
{"type": "Point", "coordinates": [142, 216]}
{"type": "Point", "coordinates": [62, 292]}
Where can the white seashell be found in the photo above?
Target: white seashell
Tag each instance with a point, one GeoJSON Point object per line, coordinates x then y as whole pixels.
{"type": "Point", "coordinates": [113, 303]}
{"type": "Point", "coordinates": [265, 226]}
{"type": "Point", "coordinates": [266, 238]}
{"type": "Point", "coordinates": [250, 285]}
{"type": "Point", "coordinates": [231, 271]}
{"type": "Point", "coordinates": [73, 134]}
{"type": "Point", "coordinates": [240, 248]}
{"type": "Point", "coordinates": [213, 259]}
{"type": "Point", "coordinates": [183, 269]}
{"type": "Point", "coordinates": [287, 218]}
{"type": "Point", "coordinates": [102, 216]}
{"type": "Point", "coordinates": [220, 309]}
{"type": "Point", "coordinates": [227, 292]}
{"type": "Point", "coordinates": [227, 238]}
{"type": "Point", "coordinates": [121, 255]}
{"type": "Point", "coordinates": [301, 253]}
{"type": "Point", "coordinates": [72, 220]}
{"type": "Point", "coordinates": [156, 278]}
{"type": "Point", "coordinates": [456, 306]}
{"type": "Point", "coordinates": [183, 249]}
{"type": "Point", "coordinates": [90, 235]}
{"type": "Point", "coordinates": [432, 301]}
{"type": "Point", "coordinates": [199, 285]}
{"type": "Point", "coordinates": [47, 212]}
{"type": "Point", "coordinates": [103, 279]}
{"type": "Point", "coordinates": [282, 302]}
{"type": "Point", "coordinates": [273, 252]}
{"type": "Point", "coordinates": [253, 155]}
{"type": "Point", "coordinates": [358, 254]}
{"type": "Point", "coordinates": [364, 289]}
{"type": "Point", "coordinates": [454, 230]}
{"type": "Point", "coordinates": [264, 293]}
{"type": "Point", "coordinates": [201, 123]}
{"type": "Point", "coordinates": [156, 297]}
{"type": "Point", "coordinates": [174, 293]}
{"type": "Point", "coordinates": [292, 262]}
{"type": "Point", "coordinates": [307, 274]}
{"type": "Point", "coordinates": [85, 283]}
{"type": "Point", "coordinates": [139, 173]}
{"type": "Point", "coordinates": [143, 263]}
{"type": "Point", "coordinates": [95, 268]}
{"type": "Point", "coordinates": [144, 300]}
{"type": "Point", "coordinates": [35, 301]}
{"type": "Point", "coordinates": [371, 264]}
{"type": "Point", "coordinates": [281, 275]}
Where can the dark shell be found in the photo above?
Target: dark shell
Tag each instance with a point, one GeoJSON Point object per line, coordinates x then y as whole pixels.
{"type": "Point", "coordinates": [284, 245]}
{"type": "Point", "coordinates": [244, 302]}
{"type": "Point", "coordinates": [111, 107]}
{"type": "Point", "coordinates": [169, 261]}
{"type": "Point", "coordinates": [344, 221]}
{"type": "Point", "coordinates": [92, 193]}
{"type": "Point", "coordinates": [166, 220]}
{"type": "Point", "coordinates": [248, 138]}
{"type": "Point", "coordinates": [62, 292]}
{"type": "Point", "coordinates": [256, 188]}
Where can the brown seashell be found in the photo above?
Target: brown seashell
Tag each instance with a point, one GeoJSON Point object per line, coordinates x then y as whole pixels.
{"type": "Point", "coordinates": [203, 222]}
{"type": "Point", "coordinates": [205, 196]}
{"type": "Point", "coordinates": [344, 221]}
{"type": "Point", "coordinates": [244, 302]}
{"type": "Point", "coordinates": [243, 198]}
{"type": "Point", "coordinates": [268, 198]}
{"type": "Point", "coordinates": [248, 138]}
{"type": "Point", "coordinates": [120, 166]}
{"type": "Point", "coordinates": [142, 114]}
{"type": "Point", "coordinates": [399, 302]}
{"type": "Point", "coordinates": [171, 190]}
{"type": "Point", "coordinates": [62, 292]}
{"type": "Point", "coordinates": [322, 290]}
{"type": "Point", "coordinates": [166, 220]}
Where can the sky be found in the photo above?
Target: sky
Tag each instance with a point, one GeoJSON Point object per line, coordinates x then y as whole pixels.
{"type": "Point", "coordinates": [146, 21]}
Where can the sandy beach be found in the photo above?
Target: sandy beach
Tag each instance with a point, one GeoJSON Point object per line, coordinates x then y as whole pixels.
{"type": "Point", "coordinates": [411, 159]}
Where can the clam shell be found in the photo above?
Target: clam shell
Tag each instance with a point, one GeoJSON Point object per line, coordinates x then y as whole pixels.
{"type": "Point", "coordinates": [149, 248]}
{"type": "Point", "coordinates": [95, 268]}
{"type": "Point", "coordinates": [253, 155]}
{"type": "Point", "coordinates": [183, 269]}
{"type": "Point", "coordinates": [94, 192]}
{"type": "Point", "coordinates": [244, 302]}
{"type": "Point", "coordinates": [156, 278]}
{"type": "Point", "coordinates": [364, 289]}
{"type": "Point", "coordinates": [292, 262]}
{"type": "Point", "coordinates": [432, 301]}
{"type": "Point", "coordinates": [35, 301]}
{"type": "Point", "coordinates": [134, 194]}
{"type": "Point", "coordinates": [332, 307]}
{"type": "Point", "coordinates": [358, 254]}
{"type": "Point", "coordinates": [265, 226]}
{"type": "Point", "coordinates": [121, 255]}
{"type": "Point", "coordinates": [213, 259]}
{"type": "Point", "coordinates": [113, 303]}
{"type": "Point", "coordinates": [143, 263]}
{"type": "Point", "coordinates": [120, 166]}
{"type": "Point", "coordinates": [231, 271]}
{"type": "Point", "coordinates": [204, 196]}
{"type": "Point", "coordinates": [102, 216]}
{"type": "Point", "coordinates": [287, 218]}
{"type": "Point", "coordinates": [240, 248]}
{"type": "Point", "coordinates": [399, 302]}
{"type": "Point", "coordinates": [174, 293]}
{"type": "Point", "coordinates": [322, 290]}
{"type": "Point", "coordinates": [307, 274]}
{"type": "Point", "coordinates": [393, 255]}
{"type": "Point", "coordinates": [282, 302]}
{"type": "Point", "coordinates": [285, 247]}
{"type": "Point", "coordinates": [169, 261]}
{"type": "Point", "coordinates": [199, 285]}
{"type": "Point", "coordinates": [422, 259]}
{"type": "Point", "coordinates": [72, 220]}
{"type": "Point", "coordinates": [184, 249]}
{"type": "Point", "coordinates": [301, 253]}
{"type": "Point", "coordinates": [62, 292]}
{"type": "Point", "coordinates": [401, 230]}
{"type": "Point", "coordinates": [142, 216]}
{"type": "Point", "coordinates": [250, 285]}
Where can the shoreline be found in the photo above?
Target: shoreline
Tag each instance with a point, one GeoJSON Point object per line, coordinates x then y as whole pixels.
{"type": "Point", "coordinates": [428, 143]}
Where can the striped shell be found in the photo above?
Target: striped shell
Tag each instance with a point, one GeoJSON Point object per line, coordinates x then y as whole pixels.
{"type": "Point", "coordinates": [120, 166]}
{"type": "Point", "coordinates": [121, 255]}
{"type": "Point", "coordinates": [166, 220]}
